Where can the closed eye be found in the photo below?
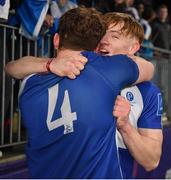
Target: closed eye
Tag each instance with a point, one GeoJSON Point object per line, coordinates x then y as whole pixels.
{"type": "Point", "coordinates": [116, 37]}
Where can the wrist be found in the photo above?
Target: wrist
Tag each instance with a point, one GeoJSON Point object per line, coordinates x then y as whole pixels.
{"type": "Point", "coordinates": [48, 63]}
{"type": "Point", "coordinates": [124, 127]}
{"type": "Point", "coordinates": [52, 66]}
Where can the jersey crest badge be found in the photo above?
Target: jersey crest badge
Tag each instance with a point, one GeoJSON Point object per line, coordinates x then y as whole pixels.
{"type": "Point", "coordinates": [129, 96]}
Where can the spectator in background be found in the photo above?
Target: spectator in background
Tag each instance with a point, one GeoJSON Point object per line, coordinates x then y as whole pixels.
{"type": "Point", "coordinates": [140, 8]}
{"type": "Point", "coordinates": [38, 18]}
{"type": "Point", "coordinates": [101, 5]}
{"type": "Point", "coordinates": [119, 6]}
{"type": "Point", "coordinates": [85, 3]}
{"type": "Point", "coordinates": [126, 6]}
{"type": "Point", "coordinates": [33, 20]}
{"type": "Point", "coordinates": [147, 2]}
{"type": "Point", "coordinates": [161, 29]}
{"type": "Point", "coordinates": [59, 7]}
{"type": "Point", "coordinates": [147, 47]}
{"type": "Point", "coordinates": [144, 22]}
{"type": "Point", "coordinates": [130, 8]}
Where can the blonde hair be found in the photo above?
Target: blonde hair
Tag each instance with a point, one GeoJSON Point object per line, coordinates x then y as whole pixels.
{"type": "Point", "coordinates": [131, 26]}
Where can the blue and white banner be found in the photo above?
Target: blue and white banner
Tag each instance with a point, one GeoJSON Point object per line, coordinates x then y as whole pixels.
{"type": "Point", "coordinates": [58, 9]}
{"type": "Point", "coordinates": [32, 14]}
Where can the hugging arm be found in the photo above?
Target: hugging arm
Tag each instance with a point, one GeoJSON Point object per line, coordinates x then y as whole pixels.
{"type": "Point", "coordinates": [69, 66]}
{"type": "Point", "coordinates": [146, 69]}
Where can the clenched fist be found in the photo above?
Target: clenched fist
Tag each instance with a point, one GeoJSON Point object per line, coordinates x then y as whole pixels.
{"type": "Point", "coordinates": [121, 111]}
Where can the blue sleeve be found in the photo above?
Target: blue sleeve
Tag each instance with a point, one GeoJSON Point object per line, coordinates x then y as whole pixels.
{"type": "Point", "coordinates": [153, 108]}
{"type": "Point", "coordinates": [118, 70]}
{"type": "Point", "coordinates": [127, 70]}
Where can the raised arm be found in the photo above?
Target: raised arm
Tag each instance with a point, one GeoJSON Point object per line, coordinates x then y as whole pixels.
{"type": "Point", "coordinates": [27, 65]}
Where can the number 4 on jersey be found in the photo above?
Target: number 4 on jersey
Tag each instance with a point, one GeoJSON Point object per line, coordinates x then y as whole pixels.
{"type": "Point", "coordinates": [67, 116]}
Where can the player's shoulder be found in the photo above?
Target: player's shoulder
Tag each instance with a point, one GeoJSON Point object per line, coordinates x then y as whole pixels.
{"type": "Point", "coordinates": [144, 90]}
{"type": "Point", "coordinates": [148, 87]}
{"type": "Point", "coordinates": [38, 81]}
{"type": "Point", "coordinates": [91, 56]}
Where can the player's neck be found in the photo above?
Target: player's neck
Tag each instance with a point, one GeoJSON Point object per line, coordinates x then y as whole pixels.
{"type": "Point", "coordinates": [67, 52]}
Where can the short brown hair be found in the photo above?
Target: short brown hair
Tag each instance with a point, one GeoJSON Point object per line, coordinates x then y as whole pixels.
{"type": "Point", "coordinates": [81, 29]}
{"type": "Point", "coordinates": [131, 26]}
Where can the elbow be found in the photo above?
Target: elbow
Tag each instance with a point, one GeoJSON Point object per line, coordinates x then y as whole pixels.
{"type": "Point", "coordinates": [151, 166]}
{"type": "Point", "coordinates": [7, 68]}
{"type": "Point", "coordinates": [152, 163]}
{"type": "Point", "coordinates": [12, 71]}
{"type": "Point", "coordinates": [155, 159]}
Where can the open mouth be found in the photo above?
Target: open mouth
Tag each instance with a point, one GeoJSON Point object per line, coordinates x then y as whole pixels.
{"type": "Point", "coordinates": [103, 51]}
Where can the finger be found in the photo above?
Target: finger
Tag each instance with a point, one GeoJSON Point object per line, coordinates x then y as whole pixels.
{"type": "Point", "coordinates": [79, 65]}
{"type": "Point", "coordinates": [120, 97]}
{"type": "Point", "coordinates": [71, 76]}
{"type": "Point", "coordinates": [117, 114]}
{"type": "Point", "coordinates": [117, 102]}
{"type": "Point", "coordinates": [122, 102]}
{"type": "Point", "coordinates": [83, 59]}
{"type": "Point", "coordinates": [70, 67]}
{"type": "Point", "coordinates": [120, 112]}
{"type": "Point", "coordinates": [118, 108]}
{"type": "Point", "coordinates": [75, 71]}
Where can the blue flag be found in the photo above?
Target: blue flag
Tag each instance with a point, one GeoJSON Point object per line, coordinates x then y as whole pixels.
{"type": "Point", "coordinates": [32, 14]}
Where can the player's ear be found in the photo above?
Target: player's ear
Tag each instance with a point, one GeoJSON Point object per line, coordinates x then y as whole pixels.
{"type": "Point", "coordinates": [133, 48]}
{"type": "Point", "coordinates": [56, 40]}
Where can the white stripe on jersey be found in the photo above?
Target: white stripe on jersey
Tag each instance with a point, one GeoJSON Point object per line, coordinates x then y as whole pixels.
{"type": "Point", "coordinates": [133, 95]}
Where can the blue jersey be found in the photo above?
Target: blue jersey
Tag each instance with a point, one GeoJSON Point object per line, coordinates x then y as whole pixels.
{"type": "Point", "coordinates": [70, 124]}
{"type": "Point", "coordinates": [146, 112]}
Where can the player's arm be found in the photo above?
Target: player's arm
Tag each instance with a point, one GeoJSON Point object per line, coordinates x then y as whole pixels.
{"type": "Point", "coordinates": [146, 69]}
{"type": "Point", "coordinates": [144, 144]}
{"type": "Point", "coordinates": [130, 70]}
{"type": "Point", "coordinates": [27, 65]}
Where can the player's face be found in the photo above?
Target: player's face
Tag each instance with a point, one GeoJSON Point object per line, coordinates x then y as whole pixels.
{"type": "Point", "coordinates": [115, 42]}
{"type": "Point", "coordinates": [63, 2]}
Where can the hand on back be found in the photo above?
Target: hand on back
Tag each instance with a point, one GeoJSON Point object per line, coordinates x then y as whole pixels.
{"type": "Point", "coordinates": [68, 66]}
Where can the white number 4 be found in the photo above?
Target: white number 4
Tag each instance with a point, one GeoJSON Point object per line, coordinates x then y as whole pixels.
{"type": "Point", "coordinates": [67, 116]}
